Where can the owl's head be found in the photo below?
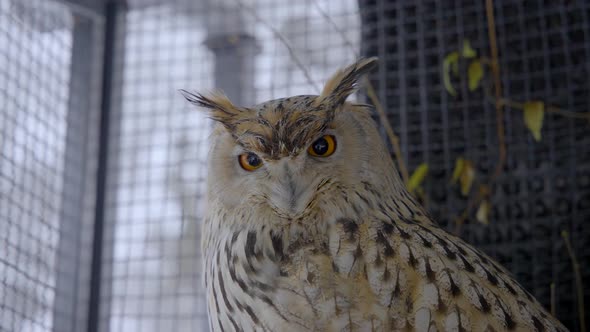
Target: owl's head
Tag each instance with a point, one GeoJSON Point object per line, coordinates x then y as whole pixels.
{"type": "Point", "coordinates": [297, 156]}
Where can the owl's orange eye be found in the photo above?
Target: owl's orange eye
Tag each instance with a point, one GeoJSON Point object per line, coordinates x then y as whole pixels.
{"type": "Point", "coordinates": [323, 147]}
{"type": "Point", "coordinates": [249, 161]}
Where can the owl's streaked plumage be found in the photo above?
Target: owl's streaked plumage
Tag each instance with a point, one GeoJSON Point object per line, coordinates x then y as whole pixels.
{"type": "Point", "coordinates": [307, 243]}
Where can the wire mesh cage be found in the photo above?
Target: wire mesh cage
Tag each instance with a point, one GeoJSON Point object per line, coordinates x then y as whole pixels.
{"type": "Point", "coordinates": [544, 186]}
{"type": "Point", "coordinates": [103, 164]}
{"type": "Point", "coordinates": [47, 150]}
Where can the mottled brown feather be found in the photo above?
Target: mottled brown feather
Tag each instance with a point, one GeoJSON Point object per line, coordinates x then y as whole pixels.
{"type": "Point", "coordinates": [358, 253]}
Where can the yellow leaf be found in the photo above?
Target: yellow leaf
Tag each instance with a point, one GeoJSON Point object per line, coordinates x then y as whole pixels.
{"type": "Point", "coordinates": [451, 62]}
{"type": "Point", "coordinates": [534, 112]}
{"type": "Point", "coordinates": [458, 169]}
{"type": "Point", "coordinates": [464, 173]}
{"type": "Point", "coordinates": [466, 177]}
{"type": "Point", "coordinates": [475, 74]}
{"type": "Point", "coordinates": [483, 212]}
{"type": "Point", "coordinates": [468, 52]}
{"type": "Point", "coordinates": [417, 177]}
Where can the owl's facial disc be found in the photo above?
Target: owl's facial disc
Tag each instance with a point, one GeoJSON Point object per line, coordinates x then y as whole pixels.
{"type": "Point", "coordinates": [287, 183]}
{"type": "Point", "coordinates": [290, 191]}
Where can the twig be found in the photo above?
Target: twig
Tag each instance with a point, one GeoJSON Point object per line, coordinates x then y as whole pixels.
{"type": "Point", "coordinates": [460, 220]}
{"type": "Point", "coordinates": [283, 40]}
{"type": "Point", "coordinates": [548, 108]}
{"type": "Point", "coordinates": [568, 114]}
{"type": "Point", "coordinates": [510, 103]}
{"type": "Point", "coordinates": [473, 202]}
{"type": "Point", "coordinates": [336, 28]}
{"type": "Point", "coordinates": [552, 288]}
{"type": "Point", "coordinates": [393, 138]}
{"type": "Point", "coordinates": [578, 277]}
{"type": "Point", "coordinates": [484, 60]}
{"type": "Point", "coordinates": [494, 63]}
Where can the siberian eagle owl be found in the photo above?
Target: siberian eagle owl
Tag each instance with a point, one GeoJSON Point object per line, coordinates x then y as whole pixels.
{"type": "Point", "coordinates": [309, 228]}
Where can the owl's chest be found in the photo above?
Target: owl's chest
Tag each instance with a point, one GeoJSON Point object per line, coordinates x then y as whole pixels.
{"type": "Point", "coordinates": [357, 274]}
{"type": "Point", "coordinates": [320, 284]}
{"type": "Point", "coordinates": [305, 298]}
{"type": "Point", "coordinates": [329, 293]}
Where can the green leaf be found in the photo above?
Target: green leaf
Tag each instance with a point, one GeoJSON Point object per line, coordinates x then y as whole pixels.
{"type": "Point", "coordinates": [465, 174]}
{"type": "Point", "coordinates": [466, 178]}
{"type": "Point", "coordinates": [417, 177]}
{"type": "Point", "coordinates": [534, 112]}
{"type": "Point", "coordinates": [458, 169]}
{"type": "Point", "coordinates": [483, 212]}
{"type": "Point", "coordinates": [468, 52]}
{"type": "Point", "coordinates": [450, 63]}
{"type": "Point", "coordinates": [474, 74]}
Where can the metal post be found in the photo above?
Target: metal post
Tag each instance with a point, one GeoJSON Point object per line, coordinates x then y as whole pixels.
{"type": "Point", "coordinates": [67, 306]}
{"type": "Point", "coordinates": [113, 8]}
{"type": "Point", "coordinates": [235, 52]}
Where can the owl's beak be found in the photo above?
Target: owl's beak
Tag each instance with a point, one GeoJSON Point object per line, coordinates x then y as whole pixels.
{"type": "Point", "coordinates": [291, 192]}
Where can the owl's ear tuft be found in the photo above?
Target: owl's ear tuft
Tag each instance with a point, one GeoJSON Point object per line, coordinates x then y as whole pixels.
{"type": "Point", "coordinates": [344, 82]}
{"type": "Point", "coordinates": [220, 108]}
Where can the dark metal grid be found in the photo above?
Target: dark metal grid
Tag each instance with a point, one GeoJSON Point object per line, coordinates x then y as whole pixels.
{"type": "Point", "coordinates": [544, 47]}
{"type": "Point", "coordinates": [46, 160]}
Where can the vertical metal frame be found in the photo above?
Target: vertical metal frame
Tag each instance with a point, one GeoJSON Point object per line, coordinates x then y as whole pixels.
{"type": "Point", "coordinates": [70, 309]}
{"type": "Point", "coordinates": [80, 266]}
{"type": "Point", "coordinates": [69, 265]}
{"type": "Point", "coordinates": [113, 10]}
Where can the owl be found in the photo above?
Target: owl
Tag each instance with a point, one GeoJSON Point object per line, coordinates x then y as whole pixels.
{"type": "Point", "coordinates": [309, 228]}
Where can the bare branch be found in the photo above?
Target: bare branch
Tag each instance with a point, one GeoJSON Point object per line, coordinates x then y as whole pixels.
{"type": "Point", "coordinates": [283, 40]}
{"type": "Point", "coordinates": [336, 28]}
{"type": "Point", "coordinates": [393, 138]}
{"type": "Point", "coordinates": [578, 278]}
{"type": "Point", "coordinates": [497, 90]}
